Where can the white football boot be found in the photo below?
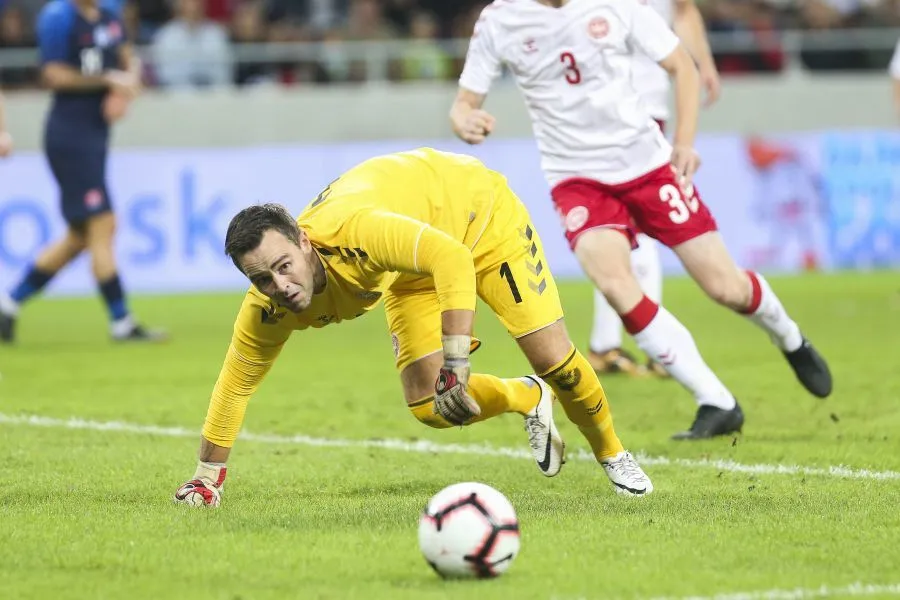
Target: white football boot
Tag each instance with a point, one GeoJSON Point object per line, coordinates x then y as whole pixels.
{"type": "Point", "coordinates": [547, 445]}
{"type": "Point", "coordinates": [626, 475]}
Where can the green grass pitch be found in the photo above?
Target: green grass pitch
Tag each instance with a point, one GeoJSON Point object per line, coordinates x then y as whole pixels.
{"type": "Point", "coordinates": [86, 512]}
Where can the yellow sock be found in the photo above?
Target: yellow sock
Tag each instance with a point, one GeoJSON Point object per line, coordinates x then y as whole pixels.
{"type": "Point", "coordinates": [581, 395]}
{"type": "Point", "coordinates": [494, 396]}
{"type": "Point", "coordinates": [423, 410]}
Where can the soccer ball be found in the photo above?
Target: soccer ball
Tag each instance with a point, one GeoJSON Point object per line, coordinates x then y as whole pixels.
{"type": "Point", "coordinates": [469, 530]}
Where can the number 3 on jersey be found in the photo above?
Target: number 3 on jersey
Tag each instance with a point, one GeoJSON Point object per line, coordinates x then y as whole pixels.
{"type": "Point", "coordinates": [683, 205]}
{"type": "Point", "coordinates": [573, 75]}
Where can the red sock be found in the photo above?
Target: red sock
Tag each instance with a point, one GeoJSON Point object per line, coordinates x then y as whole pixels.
{"type": "Point", "coordinates": [637, 319]}
{"type": "Point", "coordinates": [755, 295]}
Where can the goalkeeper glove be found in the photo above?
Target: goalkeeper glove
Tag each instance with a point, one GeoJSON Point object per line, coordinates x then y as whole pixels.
{"type": "Point", "coordinates": [451, 400]}
{"type": "Point", "coordinates": [205, 489]}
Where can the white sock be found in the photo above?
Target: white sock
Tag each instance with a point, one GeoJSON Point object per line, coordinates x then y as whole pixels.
{"type": "Point", "coordinates": [671, 344]}
{"type": "Point", "coordinates": [8, 306]}
{"type": "Point", "coordinates": [607, 331]}
{"type": "Point", "coordinates": [773, 319]}
{"type": "Point", "coordinates": [122, 327]}
{"type": "Point", "coordinates": [647, 268]}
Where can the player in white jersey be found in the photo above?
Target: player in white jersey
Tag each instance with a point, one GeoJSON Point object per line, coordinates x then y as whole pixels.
{"type": "Point", "coordinates": [609, 167]}
{"type": "Point", "coordinates": [652, 84]}
{"type": "Point", "coordinates": [6, 141]}
{"type": "Point", "coordinates": [894, 71]}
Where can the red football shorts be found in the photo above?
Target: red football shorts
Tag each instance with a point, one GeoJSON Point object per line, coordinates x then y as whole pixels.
{"type": "Point", "coordinates": [654, 204]}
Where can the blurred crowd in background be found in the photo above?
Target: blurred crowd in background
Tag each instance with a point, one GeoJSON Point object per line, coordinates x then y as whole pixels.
{"type": "Point", "coordinates": [198, 43]}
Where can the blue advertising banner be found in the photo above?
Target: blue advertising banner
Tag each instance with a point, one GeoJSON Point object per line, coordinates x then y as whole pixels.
{"type": "Point", "coordinates": [783, 204]}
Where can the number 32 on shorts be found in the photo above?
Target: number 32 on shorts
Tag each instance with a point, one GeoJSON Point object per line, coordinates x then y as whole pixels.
{"type": "Point", "coordinates": [683, 203]}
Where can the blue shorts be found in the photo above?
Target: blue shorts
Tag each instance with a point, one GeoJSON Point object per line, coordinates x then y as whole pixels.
{"type": "Point", "coordinates": [81, 175]}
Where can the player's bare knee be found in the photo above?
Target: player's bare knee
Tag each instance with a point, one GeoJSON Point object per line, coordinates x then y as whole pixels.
{"type": "Point", "coordinates": [546, 347]}
{"type": "Point", "coordinates": [611, 273]}
{"type": "Point", "coordinates": [419, 376]}
{"type": "Point", "coordinates": [418, 379]}
{"type": "Point", "coordinates": [101, 253]}
{"type": "Point", "coordinates": [419, 394]}
{"type": "Point", "coordinates": [74, 243]}
{"type": "Point", "coordinates": [100, 230]}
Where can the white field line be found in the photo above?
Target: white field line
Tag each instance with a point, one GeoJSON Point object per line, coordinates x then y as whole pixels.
{"type": "Point", "coordinates": [824, 591]}
{"type": "Point", "coordinates": [427, 447]}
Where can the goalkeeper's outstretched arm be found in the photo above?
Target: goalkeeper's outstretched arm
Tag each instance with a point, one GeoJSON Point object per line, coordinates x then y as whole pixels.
{"type": "Point", "coordinates": [254, 347]}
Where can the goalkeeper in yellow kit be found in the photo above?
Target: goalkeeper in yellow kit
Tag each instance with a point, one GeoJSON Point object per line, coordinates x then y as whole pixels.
{"type": "Point", "coordinates": [426, 232]}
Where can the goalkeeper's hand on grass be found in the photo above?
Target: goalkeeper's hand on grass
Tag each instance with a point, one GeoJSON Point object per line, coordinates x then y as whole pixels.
{"type": "Point", "coordinates": [205, 489]}
{"type": "Point", "coordinates": [451, 401]}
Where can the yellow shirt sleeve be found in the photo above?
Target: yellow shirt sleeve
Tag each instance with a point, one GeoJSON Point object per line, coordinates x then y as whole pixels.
{"type": "Point", "coordinates": [255, 344]}
{"type": "Point", "coordinates": [399, 243]}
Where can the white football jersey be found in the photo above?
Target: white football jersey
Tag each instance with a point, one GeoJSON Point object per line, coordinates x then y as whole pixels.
{"type": "Point", "coordinates": [651, 80]}
{"type": "Point", "coordinates": [574, 67]}
{"type": "Point", "coordinates": [894, 67]}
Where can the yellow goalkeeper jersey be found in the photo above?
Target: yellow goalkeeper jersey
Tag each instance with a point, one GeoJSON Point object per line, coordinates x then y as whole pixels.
{"type": "Point", "coordinates": [417, 212]}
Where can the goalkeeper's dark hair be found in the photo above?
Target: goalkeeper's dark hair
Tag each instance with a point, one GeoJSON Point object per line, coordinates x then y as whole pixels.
{"type": "Point", "coordinates": [247, 228]}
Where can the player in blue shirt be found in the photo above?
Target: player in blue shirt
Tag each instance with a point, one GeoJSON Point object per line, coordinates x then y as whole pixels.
{"type": "Point", "coordinates": [87, 62]}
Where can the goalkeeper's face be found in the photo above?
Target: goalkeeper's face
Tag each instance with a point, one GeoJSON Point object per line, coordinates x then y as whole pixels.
{"type": "Point", "coordinates": [282, 270]}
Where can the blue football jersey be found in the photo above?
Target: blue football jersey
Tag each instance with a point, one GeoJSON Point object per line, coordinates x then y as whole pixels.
{"type": "Point", "coordinates": [92, 48]}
